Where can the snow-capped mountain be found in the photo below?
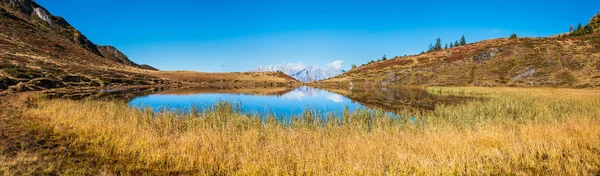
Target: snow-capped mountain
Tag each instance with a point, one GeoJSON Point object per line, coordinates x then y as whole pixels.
{"type": "Point", "coordinates": [304, 73]}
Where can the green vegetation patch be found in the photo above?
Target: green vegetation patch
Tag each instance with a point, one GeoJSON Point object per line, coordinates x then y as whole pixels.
{"type": "Point", "coordinates": [19, 71]}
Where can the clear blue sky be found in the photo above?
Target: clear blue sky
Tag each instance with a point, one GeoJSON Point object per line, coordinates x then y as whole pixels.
{"type": "Point", "coordinates": [225, 35]}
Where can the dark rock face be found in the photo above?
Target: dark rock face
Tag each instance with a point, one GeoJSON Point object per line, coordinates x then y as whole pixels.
{"type": "Point", "coordinates": [24, 6]}
{"type": "Point", "coordinates": [6, 82]}
{"type": "Point", "coordinates": [110, 52]}
{"type": "Point", "coordinates": [148, 67]}
{"type": "Point", "coordinates": [47, 83]}
{"type": "Point", "coordinates": [74, 79]}
{"type": "Point", "coordinates": [61, 21]}
{"type": "Point", "coordinates": [84, 42]}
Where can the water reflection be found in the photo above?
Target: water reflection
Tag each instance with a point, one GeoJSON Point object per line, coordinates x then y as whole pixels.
{"type": "Point", "coordinates": [286, 101]}
{"type": "Point", "coordinates": [398, 100]}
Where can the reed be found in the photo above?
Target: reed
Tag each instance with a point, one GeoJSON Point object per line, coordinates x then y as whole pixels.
{"type": "Point", "coordinates": [506, 131]}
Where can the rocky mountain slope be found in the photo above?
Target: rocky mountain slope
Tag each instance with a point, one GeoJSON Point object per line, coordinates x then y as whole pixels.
{"type": "Point", "coordinates": [304, 73]}
{"type": "Point", "coordinates": [41, 51]}
{"type": "Point", "coordinates": [568, 61]}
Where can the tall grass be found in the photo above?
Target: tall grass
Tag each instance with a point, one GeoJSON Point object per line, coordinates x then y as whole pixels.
{"type": "Point", "coordinates": [516, 131]}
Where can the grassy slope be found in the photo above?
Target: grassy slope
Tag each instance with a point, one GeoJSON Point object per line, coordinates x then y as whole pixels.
{"type": "Point", "coordinates": [229, 90]}
{"type": "Point", "coordinates": [227, 78]}
{"type": "Point", "coordinates": [559, 62]}
{"type": "Point", "coordinates": [35, 55]}
{"type": "Point", "coordinates": [31, 49]}
{"type": "Point", "coordinates": [516, 131]}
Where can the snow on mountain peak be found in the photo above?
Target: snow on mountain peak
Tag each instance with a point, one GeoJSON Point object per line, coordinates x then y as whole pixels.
{"type": "Point", "coordinates": [303, 72]}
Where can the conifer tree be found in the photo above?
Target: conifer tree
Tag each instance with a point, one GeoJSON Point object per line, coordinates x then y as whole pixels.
{"type": "Point", "coordinates": [456, 44]}
{"type": "Point", "coordinates": [430, 48]}
{"type": "Point", "coordinates": [384, 58]}
{"type": "Point", "coordinates": [438, 44]}
{"type": "Point", "coordinates": [446, 47]}
{"type": "Point", "coordinates": [463, 41]}
{"type": "Point", "coordinates": [451, 45]}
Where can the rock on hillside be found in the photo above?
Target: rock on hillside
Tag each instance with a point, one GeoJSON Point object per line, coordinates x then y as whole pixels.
{"type": "Point", "coordinates": [147, 67]}
{"type": "Point", "coordinates": [110, 52]}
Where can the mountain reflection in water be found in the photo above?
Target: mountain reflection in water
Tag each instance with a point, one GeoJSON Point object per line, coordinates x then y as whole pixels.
{"type": "Point", "coordinates": [294, 101]}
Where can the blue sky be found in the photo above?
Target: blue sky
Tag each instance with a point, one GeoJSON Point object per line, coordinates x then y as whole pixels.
{"type": "Point", "coordinates": [228, 35]}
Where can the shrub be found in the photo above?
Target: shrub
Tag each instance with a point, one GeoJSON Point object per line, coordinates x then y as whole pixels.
{"type": "Point", "coordinates": [513, 36]}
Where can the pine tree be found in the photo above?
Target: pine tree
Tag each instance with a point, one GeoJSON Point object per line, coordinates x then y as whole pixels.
{"type": "Point", "coordinates": [353, 66]}
{"type": "Point", "coordinates": [438, 44]}
{"type": "Point", "coordinates": [456, 44]}
{"type": "Point", "coordinates": [446, 47]}
{"type": "Point", "coordinates": [579, 31]}
{"type": "Point", "coordinates": [463, 41]}
{"type": "Point", "coordinates": [451, 45]}
{"type": "Point", "coordinates": [430, 48]}
{"type": "Point", "coordinates": [384, 58]}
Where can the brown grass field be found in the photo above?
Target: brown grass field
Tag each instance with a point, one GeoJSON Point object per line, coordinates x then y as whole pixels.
{"type": "Point", "coordinates": [229, 90]}
{"type": "Point", "coordinates": [234, 77]}
{"type": "Point", "coordinates": [514, 131]}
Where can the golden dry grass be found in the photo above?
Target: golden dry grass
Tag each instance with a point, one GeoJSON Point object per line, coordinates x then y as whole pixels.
{"type": "Point", "coordinates": [522, 62]}
{"type": "Point", "coordinates": [234, 77]}
{"type": "Point", "coordinates": [229, 90]}
{"type": "Point", "coordinates": [514, 131]}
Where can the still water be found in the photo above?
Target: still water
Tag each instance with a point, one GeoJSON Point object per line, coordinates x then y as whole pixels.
{"type": "Point", "coordinates": [294, 101]}
{"type": "Point", "coordinates": [280, 102]}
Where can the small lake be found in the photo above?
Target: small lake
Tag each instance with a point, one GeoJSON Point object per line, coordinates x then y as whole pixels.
{"type": "Point", "coordinates": [275, 101]}
{"type": "Point", "coordinates": [284, 101]}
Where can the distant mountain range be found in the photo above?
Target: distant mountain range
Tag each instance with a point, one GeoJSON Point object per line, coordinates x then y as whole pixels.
{"type": "Point", "coordinates": [304, 73]}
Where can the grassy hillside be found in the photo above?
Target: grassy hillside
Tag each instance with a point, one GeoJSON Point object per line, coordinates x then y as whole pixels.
{"type": "Point", "coordinates": [40, 51]}
{"type": "Point", "coordinates": [570, 61]}
{"type": "Point", "coordinates": [259, 78]}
